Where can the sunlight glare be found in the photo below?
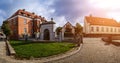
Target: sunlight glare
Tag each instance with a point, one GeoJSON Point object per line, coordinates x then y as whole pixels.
{"type": "Point", "coordinates": [109, 4]}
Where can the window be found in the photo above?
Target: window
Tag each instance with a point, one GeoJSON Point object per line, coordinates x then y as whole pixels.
{"type": "Point", "coordinates": [15, 31]}
{"type": "Point", "coordinates": [25, 30]}
{"type": "Point", "coordinates": [102, 29]}
{"type": "Point", "coordinates": [92, 29]}
{"type": "Point", "coordinates": [111, 29]}
{"type": "Point", "coordinates": [107, 29]}
{"type": "Point", "coordinates": [32, 31]}
{"type": "Point", "coordinates": [32, 23]}
{"type": "Point", "coordinates": [97, 29]}
{"type": "Point", "coordinates": [115, 30]}
{"type": "Point", "coordinates": [25, 21]}
{"type": "Point", "coordinates": [38, 25]}
{"type": "Point", "coordinates": [14, 21]}
{"type": "Point", "coordinates": [118, 30]}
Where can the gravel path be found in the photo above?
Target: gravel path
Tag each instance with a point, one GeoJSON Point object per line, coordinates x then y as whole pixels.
{"type": "Point", "coordinates": [94, 50]}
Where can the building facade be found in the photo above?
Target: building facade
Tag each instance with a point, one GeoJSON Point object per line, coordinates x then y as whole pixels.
{"type": "Point", "coordinates": [68, 31]}
{"type": "Point", "coordinates": [100, 26]}
{"type": "Point", "coordinates": [47, 31]}
{"type": "Point", "coordinates": [23, 22]}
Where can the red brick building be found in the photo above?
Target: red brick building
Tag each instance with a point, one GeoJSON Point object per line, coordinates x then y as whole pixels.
{"type": "Point", "coordinates": [23, 22]}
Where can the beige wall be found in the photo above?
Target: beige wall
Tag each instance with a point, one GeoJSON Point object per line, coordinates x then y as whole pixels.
{"type": "Point", "coordinates": [87, 29]}
{"type": "Point", "coordinates": [105, 29]}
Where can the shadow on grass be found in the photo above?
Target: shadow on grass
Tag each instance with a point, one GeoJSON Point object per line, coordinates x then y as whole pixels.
{"type": "Point", "coordinates": [20, 43]}
{"type": "Point", "coordinates": [107, 42]}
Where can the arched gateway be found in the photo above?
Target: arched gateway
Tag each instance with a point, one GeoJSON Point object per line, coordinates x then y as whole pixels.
{"type": "Point", "coordinates": [47, 31]}
{"type": "Point", "coordinates": [46, 34]}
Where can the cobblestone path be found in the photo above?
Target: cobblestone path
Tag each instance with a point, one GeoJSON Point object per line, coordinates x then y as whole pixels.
{"type": "Point", "coordinates": [94, 50]}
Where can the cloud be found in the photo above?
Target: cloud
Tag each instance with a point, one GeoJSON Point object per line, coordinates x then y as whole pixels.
{"type": "Point", "coordinates": [62, 10]}
{"type": "Point", "coordinates": [74, 10]}
{"type": "Point", "coordinates": [5, 2]}
{"type": "Point", "coordinates": [60, 21]}
{"type": "Point", "coordinates": [2, 16]}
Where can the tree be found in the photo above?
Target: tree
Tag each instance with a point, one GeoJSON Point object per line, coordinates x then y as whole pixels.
{"type": "Point", "coordinates": [6, 29]}
{"type": "Point", "coordinates": [58, 29]}
{"type": "Point", "coordinates": [78, 34]}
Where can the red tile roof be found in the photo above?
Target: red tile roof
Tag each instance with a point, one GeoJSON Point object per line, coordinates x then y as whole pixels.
{"type": "Point", "coordinates": [27, 14]}
{"type": "Point", "coordinates": [102, 21]}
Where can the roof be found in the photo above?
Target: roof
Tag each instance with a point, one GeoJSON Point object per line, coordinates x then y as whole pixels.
{"type": "Point", "coordinates": [102, 21]}
{"type": "Point", "coordinates": [49, 22]}
{"type": "Point", "coordinates": [27, 14]}
{"type": "Point", "coordinates": [68, 23]}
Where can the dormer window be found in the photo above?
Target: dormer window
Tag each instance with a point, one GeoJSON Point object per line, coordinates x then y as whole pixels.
{"type": "Point", "coordinates": [14, 21]}
{"type": "Point", "coordinates": [22, 13]}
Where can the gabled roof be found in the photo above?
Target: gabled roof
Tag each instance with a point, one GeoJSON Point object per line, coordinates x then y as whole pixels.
{"type": "Point", "coordinates": [68, 23]}
{"type": "Point", "coordinates": [27, 14]}
{"type": "Point", "coordinates": [101, 21]}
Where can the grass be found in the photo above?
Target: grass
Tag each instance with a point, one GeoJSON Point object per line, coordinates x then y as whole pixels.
{"type": "Point", "coordinates": [37, 50]}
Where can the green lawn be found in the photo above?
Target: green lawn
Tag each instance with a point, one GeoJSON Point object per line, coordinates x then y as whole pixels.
{"type": "Point", "coordinates": [37, 50]}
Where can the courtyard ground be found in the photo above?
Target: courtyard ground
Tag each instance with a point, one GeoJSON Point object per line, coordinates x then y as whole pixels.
{"type": "Point", "coordinates": [94, 50]}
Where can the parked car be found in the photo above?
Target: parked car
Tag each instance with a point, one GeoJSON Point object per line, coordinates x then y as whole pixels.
{"type": "Point", "coordinates": [2, 36]}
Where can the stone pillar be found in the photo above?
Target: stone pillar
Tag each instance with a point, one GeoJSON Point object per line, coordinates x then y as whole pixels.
{"type": "Point", "coordinates": [62, 33]}
{"type": "Point", "coordinates": [37, 35]}
{"type": "Point", "coordinates": [41, 35]}
{"type": "Point", "coordinates": [60, 36]}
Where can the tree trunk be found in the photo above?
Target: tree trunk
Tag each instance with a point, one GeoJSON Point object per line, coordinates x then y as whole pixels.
{"type": "Point", "coordinates": [81, 39]}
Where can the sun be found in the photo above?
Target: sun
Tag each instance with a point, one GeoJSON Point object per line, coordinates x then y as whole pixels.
{"type": "Point", "coordinates": [106, 4]}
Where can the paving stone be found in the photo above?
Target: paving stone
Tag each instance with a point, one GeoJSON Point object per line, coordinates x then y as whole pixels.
{"type": "Point", "coordinates": [94, 51]}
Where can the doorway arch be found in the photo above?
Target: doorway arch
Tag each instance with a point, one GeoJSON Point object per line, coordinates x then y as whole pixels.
{"type": "Point", "coordinates": [46, 34]}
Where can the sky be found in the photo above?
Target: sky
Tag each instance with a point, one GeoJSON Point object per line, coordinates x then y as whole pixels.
{"type": "Point", "coordinates": [62, 11]}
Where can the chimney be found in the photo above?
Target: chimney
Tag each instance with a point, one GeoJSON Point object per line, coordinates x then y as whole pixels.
{"type": "Point", "coordinates": [23, 9]}
{"type": "Point", "coordinates": [39, 16]}
{"type": "Point", "coordinates": [90, 15]}
{"type": "Point", "coordinates": [51, 19]}
{"type": "Point", "coordinates": [43, 17]}
{"type": "Point", "coordinates": [33, 13]}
